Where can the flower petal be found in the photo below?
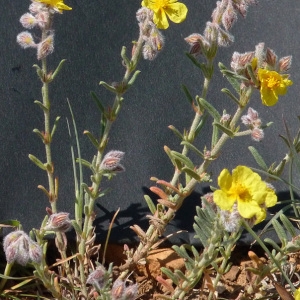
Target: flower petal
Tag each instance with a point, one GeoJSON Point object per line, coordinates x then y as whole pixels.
{"type": "Point", "coordinates": [222, 200]}
{"type": "Point", "coordinates": [176, 12]}
{"type": "Point", "coordinates": [160, 19]}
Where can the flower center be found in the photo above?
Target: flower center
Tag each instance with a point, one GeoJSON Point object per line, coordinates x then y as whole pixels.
{"type": "Point", "coordinates": [272, 82]}
{"type": "Point", "coordinates": [240, 193]}
{"type": "Point", "coordinates": [158, 4]}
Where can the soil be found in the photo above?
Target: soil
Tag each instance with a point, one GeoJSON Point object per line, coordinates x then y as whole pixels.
{"type": "Point", "coordinates": [233, 284]}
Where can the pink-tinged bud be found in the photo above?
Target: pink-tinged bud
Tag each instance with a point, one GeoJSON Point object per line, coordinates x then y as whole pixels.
{"type": "Point", "coordinates": [251, 119]}
{"type": "Point", "coordinates": [131, 292]}
{"type": "Point", "coordinates": [156, 39]}
{"type": "Point", "coordinates": [197, 43]}
{"type": "Point", "coordinates": [208, 200]}
{"type": "Point", "coordinates": [271, 58]}
{"type": "Point", "coordinates": [20, 248]}
{"type": "Point", "coordinates": [144, 14]}
{"type": "Point", "coordinates": [257, 134]}
{"type": "Point", "coordinates": [224, 38]}
{"type": "Point", "coordinates": [28, 20]}
{"type": "Point", "coordinates": [225, 118]}
{"type": "Point", "coordinates": [285, 63]}
{"type": "Point", "coordinates": [45, 47]}
{"type": "Point", "coordinates": [229, 16]}
{"type": "Point", "coordinates": [59, 222]}
{"type": "Point", "coordinates": [36, 7]}
{"type": "Point", "coordinates": [260, 54]}
{"type": "Point", "coordinates": [25, 40]}
{"type": "Point", "coordinates": [35, 252]}
{"type": "Point", "coordinates": [117, 289]}
{"type": "Point", "coordinates": [149, 53]}
{"type": "Point", "coordinates": [218, 11]}
{"type": "Point", "coordinates": [111, 161]}
{"type": "Point", "coordinates": [42, 19]}
{"type": "Point", "coordinates": [242, 6]}
{"type": "Point", "coordinates": [239, 61]}
{"type": "Point", "coordinates": [97, 277]}
{"type": "Point", "coordinates": [211, 32]}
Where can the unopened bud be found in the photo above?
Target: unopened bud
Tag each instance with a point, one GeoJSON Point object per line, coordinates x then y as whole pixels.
{"type": "Point", "coordinates": [36, 7]}
{"type": "Point", "coordinates": [229, 16]}
{"type": "Point", "coordinates": [97, 277]}
{"type": "Point", "coordinates": [251, 119]}
{"type": "Point", "coordinates": [117, 289]}
{"type": "Point", "coordinates": [131, 292]}
{"type": "Point", "coordinates": [285, 63]}
{"type": "Point", "coordinates": [271, 58]}
{"type": "Point", "coordinates": [156, 39]}
{"type": "Point", "coordinates": [231, 220]}
{"type": "Point", "coordinates": [257, 134]}
{"type": "Point", "coordinates": [25, 40]}
{"type": "Point", "coordinates": [111, 161]}
{"type": "Point", "coordinates": [239, 61]}
{"type": "Point", "coordinates": [59, 222]}
{"type": "Point", "coordinates": [149, 53]}
{"type": "Point", "coordinates": [45, 47]}
{"type": "Point", "coordinates": [20, 248]}
{"type": "Point", "coordinates": [28, 20]}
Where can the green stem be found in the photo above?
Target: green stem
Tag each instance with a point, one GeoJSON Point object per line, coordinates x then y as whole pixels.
{"type": "Point", "coordinates": [6, 273]}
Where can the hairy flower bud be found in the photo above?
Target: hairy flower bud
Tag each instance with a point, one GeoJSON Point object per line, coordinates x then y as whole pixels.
{"type": "Point", "coordinates": [239, 61]}
{"type": "Point", "coordinates": [59, 222]}
{"type": "Point", "coordinates": [229, 16]}
{"type": "Point", "coordinates": [25, 40]}
{"type": "Point", "coordinates": [251, 119]}
{"type": "Point", "coordinates": [257, 134]}
{"type": "Point", "coordinates": [28, 20]}
{"type": "Point", "coordinates": [20, 248]}
{"type": "Point", "coordinates": [231, 220]}
{"type": "Point", "coordinates": [111, 161]}
{"type": "Point", "coordinates": [285, 63]}
{"type": "Point", "coordinates": [97, 277]}
{"type": "Point", "coordinates": [45, 47]}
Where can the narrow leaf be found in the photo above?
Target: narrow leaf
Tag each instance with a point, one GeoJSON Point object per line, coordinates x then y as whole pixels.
{"type": "Point", "coordinates": [58, 68]}
{"type": "Point", "coordinates": [211, 110]}
{"type": "Point", "coordinates": [191, 173]}
{"type": "Point", "coordinates": [41, 105]}
{"type": "Point", "coordinates": [230, 95]}
{"type": "Point", "coordinates": [98, 102]}
{"type": "Point", "coordinates": [226, 130]}
{"type": "Point", "coordinates": [193, 148]}
{"type": "Point", "coordinates": [54, 126]}
{"type": "Point", "coordinates": [36, 161]}
{"type": "Point", "coordinates": [258, 158]}
{"type": "Point", "coordinates": [150, 204]}
{"type": "Point", "coordinates": [187, 94]}
{"type": "Point", "coordinates": [108, 87]}
{"type": "Point", "coordinates": [92, 138]}
{"type": "Point", "coordinates": [185, 160]}
{"type": "Point", "coordinates": [288, 225]}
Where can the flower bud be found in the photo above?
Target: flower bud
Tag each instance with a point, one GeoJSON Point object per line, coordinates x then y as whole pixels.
{"type": "Point", "coordinates": [271, 58]}
{"type": "Point", "coordinates": [257, 134]}
{"type": "Point", "coordinates": [111, 161]}
{"type": "Point", "coordinates": [97, 277]}
{"type": "Point", "coordinates": [285, 63]}
{"type": "Point", "coordinates": [117, 289]}
{"type": "Point", "coordinates": [149, 53]}
{"type": "Point", "coordinates": [251, 119]}
{"type": "Point", "coordinates": [59, 222]}
{"type": "Point", "coordinates": [28, 20]}
{"type": "Point", "coordinates": [231, 220]}
{"type": "Point", "coordinates": [45, 47]}
{"type": "Point", "coordinates": [25, 40]}
{"type": "Point", "coordinates": [229, 17]}
{"type": "Point", "coordinates": [20, 248]}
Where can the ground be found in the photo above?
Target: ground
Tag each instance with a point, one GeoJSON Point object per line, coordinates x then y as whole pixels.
{"type": "Point", "coordinates": [232, 285]}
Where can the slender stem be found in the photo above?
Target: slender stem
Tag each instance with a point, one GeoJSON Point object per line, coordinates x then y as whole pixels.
{"type": "Point", "coordinates": [6, 273]}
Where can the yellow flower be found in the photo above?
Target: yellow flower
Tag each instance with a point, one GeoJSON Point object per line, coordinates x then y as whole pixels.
{"type": "Point", "coordinates": [176, 11]}
{"type": "Point", "coordinates": [56, 4]}
{"type": "Point", "coordinates": [272, 84]}
{"type": "Point", "coordinates": [245, 188]}
{"type": "Point", "coordinates": [297, 294]}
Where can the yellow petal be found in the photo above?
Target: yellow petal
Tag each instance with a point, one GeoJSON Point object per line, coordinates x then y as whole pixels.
{"type": "Point", "coordinates": [176, 12]}
{"type": "Point", "coordinates": [160, 19]}
{"type": "Point", "coordinates": [222, 200]}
